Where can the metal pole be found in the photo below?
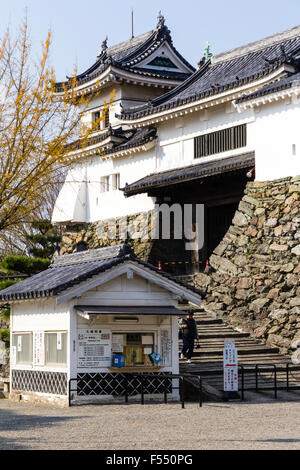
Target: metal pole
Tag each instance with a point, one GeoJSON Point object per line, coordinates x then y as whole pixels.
{"type": "Point", "coordinates": [242, 369]}
{"type": "Point", "coordinates": [70, 392]}
{"type": "Point", "coordinates": [287, 377]}
{"type": "Point", "coordinates": [142, 390]}
{"type": "Point", "coordinates": [165, 390]}
{"type": "Point", "coordinates": [132, 35]}
{"type": "Point", "coordinates": [126, 388]}
{"type": "Point", "coordinates": [275, 381]}
{"type": "Point", "coordinates": [256, 378]}
{"type": "Point", "coordinates": [182, 399]}
{"type": "Point", "coordinates": [200, 391]}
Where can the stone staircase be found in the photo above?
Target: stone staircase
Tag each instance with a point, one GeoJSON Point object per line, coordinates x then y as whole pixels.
{"type": "Point", "coordinates": [208, 358]}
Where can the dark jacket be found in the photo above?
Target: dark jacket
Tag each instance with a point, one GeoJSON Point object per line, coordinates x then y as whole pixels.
{"type": "Point", "coordinates": [191, 330]}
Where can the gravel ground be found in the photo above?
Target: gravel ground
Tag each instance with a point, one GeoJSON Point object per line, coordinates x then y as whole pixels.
{"type": "Point", "coordinates": [266, 424]}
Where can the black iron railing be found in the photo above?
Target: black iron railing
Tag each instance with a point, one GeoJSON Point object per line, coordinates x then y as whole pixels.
{"type": "Point", "coordinates": [267, 378]}
{"type": "Point", "coordinates": [181, 378]}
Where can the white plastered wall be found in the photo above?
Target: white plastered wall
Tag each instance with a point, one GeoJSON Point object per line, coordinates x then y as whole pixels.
{"type": "Point", "coordinates": [277, 140]}
{"type": "Point", "coordinates": [272, 133]}
{"type": "Point", "coordinates": [46, 315]}
{"type": "Point", "coordinates": [70, 205]}
{"type": "Point", "coordinates": [122, 291]}
{"type": "Point", "coordinates": [39, 315]}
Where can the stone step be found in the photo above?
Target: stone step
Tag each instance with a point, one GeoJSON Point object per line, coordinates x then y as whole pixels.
{"type": "Point", "coordinates": [250, 359]}
{"type": "Point", "coordinates": [208, 358]}
{"type": "Point", "coordinates": [197, 368]}
{"type": "Point", "coordinates": [208, 321]}
{"type": "Point", "coordinates": [220, 329]}
{"type": "Point", "coordinates": [222, 335]}
{"type": "Point", "coordinates": [217, 344]}
{"type": "Point", "coordinates": [242, 351]}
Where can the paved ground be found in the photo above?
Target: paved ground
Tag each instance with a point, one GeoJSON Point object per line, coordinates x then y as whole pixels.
{"type": "Point", "coordinates": [266, 424]}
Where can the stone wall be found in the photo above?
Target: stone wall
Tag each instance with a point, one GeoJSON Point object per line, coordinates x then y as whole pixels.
{"type": "Point", "coordinates": [254, 278]}
{"type": "Point", "coordinates": [112, 232]}
{"type": "Point", "coordinates": [254, 275]}
{"type": "Point", "coordinates": [4, 368]}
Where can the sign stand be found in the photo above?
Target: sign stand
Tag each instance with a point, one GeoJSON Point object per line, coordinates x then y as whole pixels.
{"type": "Point", "coordinates": [230, 371]}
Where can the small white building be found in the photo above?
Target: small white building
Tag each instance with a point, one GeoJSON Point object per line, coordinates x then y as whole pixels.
{"type": "Point", "coordinates": [70, 321]}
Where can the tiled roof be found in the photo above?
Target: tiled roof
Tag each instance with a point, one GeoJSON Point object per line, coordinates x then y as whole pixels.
{"type": "Point", "coordinates": [128, 54]}
{"type": "Point", "coordinates": [140, 137]}
{"type": "Point", "coordinates": [129, 139]}
{"type": "Point", "coordinates": [230, 72]}
{"type": "Point", "coordinates": [69, 270]}
{"type": "Point", "coordinates": [191, 172]}
{"type": "Point", "coordinates": [272, 88]}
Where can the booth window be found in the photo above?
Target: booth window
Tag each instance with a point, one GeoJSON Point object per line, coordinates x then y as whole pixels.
{"type": "Point", "coordinates": [136, 347]}
{"type": "Point", "coordinates": [23, 344]}
{"type": "Point", "coordinates": [56, 348]}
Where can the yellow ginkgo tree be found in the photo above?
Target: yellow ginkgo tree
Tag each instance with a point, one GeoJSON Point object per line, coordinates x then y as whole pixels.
{"type": "Point", "coordinates": [36, 127]}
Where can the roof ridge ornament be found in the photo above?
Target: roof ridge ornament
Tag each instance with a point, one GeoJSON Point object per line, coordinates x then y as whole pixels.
{"type": "Point", "coordinates": [103, 46]}
{"type": "Point", "coordinates": [161, 20]}
{"type": "Point", "coordinates": [162, 31]}
{"type": "Point", "coordinates": [206, 56]}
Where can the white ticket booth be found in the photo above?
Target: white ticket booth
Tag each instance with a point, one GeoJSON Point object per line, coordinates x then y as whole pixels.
{"type": "Point", "coordinates": [74, 324]}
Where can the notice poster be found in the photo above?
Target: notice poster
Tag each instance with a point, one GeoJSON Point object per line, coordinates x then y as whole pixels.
{"type": "Point", "coordinates": [38, 348]}
{"type": "Point", "coordinates": [166, 348]}
{"type": "Point", "coordinates": [94, 348]}
{"type": "Point", "coordinates": [59, 342]}
{"type": "Point", "coordinates": [117, 344]}
{"type": "Point", "coordinates": [13, 355]}
{"type": "Point", "coordinates": [2, 352]}
{"type": "Point", "coordinates": [230, 367]}
{"type": "Point", "coordinates": [147, 339]}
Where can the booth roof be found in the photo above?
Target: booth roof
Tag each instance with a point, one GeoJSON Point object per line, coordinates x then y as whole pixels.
{"type": "Point", "coordinates": [69, 270]}
{"type": "Point", "coordinates": [128, 310]}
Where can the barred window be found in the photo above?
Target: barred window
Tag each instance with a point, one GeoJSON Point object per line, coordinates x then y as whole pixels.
{"type": "Point", "coordinates": [104, 113]}
{"type": "Point", "coordinates": [220, 141]}
{"type": "Point", "coordinates": [106, 120]}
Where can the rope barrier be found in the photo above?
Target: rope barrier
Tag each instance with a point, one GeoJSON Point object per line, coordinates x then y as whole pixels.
{"type": "Point", "coordinates": [182, 262]}
{"type": "Point", "coordinates": [160, 263]}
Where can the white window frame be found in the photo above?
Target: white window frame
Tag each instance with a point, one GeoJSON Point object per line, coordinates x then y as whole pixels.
{"type": "Point", "coordinates": [19, 360]}
{"type": "Point", "coordinates": [56, 364]}
{"type": "Point", "coordinates": [110, 183]}
{"type": "Point", "coordinates": [104, 123]}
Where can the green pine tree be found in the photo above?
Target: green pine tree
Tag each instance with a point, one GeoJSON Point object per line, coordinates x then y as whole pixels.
{"type": "Point", "coordinates": [43, 242]}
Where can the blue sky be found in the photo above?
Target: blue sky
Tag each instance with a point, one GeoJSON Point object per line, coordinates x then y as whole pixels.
{"type": "Point", "coordinates": [79, 26]}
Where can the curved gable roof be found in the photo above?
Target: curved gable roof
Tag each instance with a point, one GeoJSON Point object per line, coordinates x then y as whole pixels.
{"type": "Point", "coordinates": [127, 55]}
{"type": "Point", "coordinates": [227, 71]}
{"type": "Point", "coordinates": [69, 270]}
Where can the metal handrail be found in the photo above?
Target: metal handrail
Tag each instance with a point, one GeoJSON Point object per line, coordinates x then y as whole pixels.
{"type": "Point", "coordinates": [180, 377]}
{"type": "Point", "coordinates": [269, 367]}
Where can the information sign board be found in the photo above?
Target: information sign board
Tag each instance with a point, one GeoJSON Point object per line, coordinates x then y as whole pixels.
{"type": "Point", "coordinates": [2, 352]}
{"type": "Point", "coordinates": [38, 348]}
{"type": "Point", "coordinates": [94, 348]}
{"type": "Point", "coordinates": [230, 367]}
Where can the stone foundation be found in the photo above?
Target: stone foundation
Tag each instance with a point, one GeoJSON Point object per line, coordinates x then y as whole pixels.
{"type": "Point", "coordinates": [4, 368]}
{"type": "Point", "coordinates": [112, 232]}
{"type": "Point", "coordinates": [254, 275]}
{"type": "Point", "coordinates": [36, 398]}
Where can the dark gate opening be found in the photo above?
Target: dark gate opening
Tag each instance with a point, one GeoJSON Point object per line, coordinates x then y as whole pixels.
{"type": "Point", "coordinates": [220, 195]}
